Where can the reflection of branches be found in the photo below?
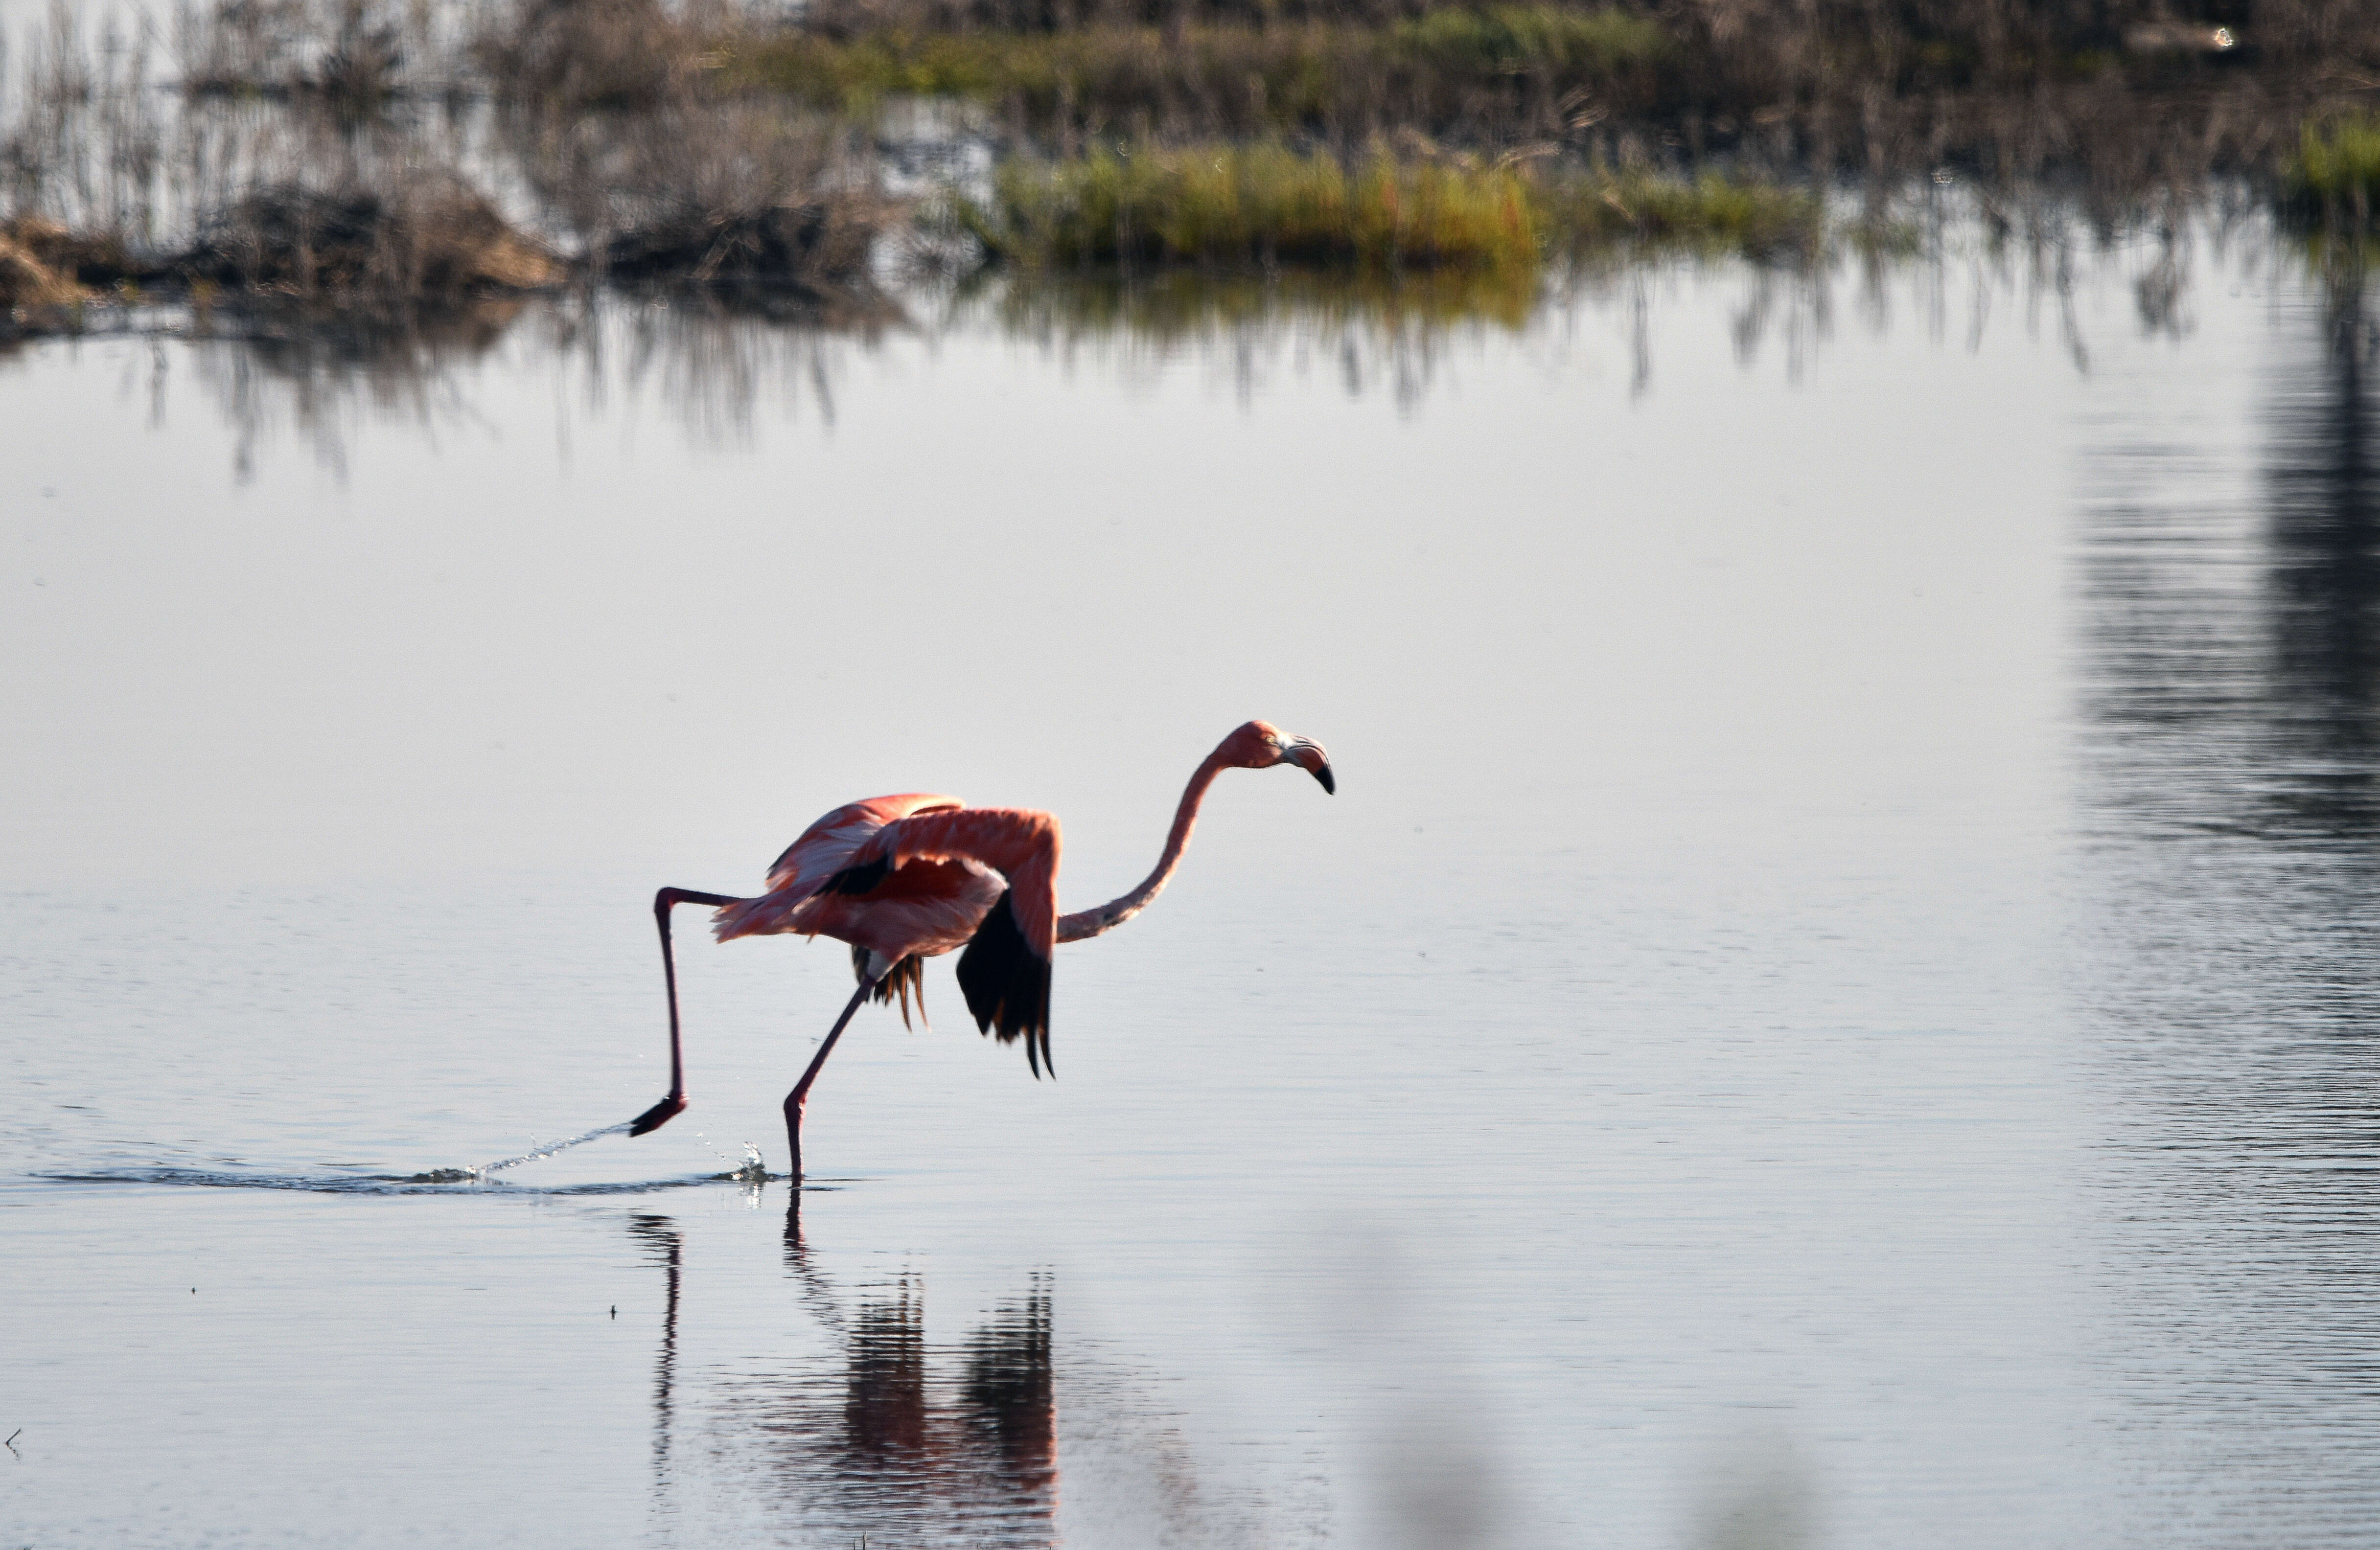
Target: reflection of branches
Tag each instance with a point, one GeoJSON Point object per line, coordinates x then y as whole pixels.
{"type": "Point", "coordinates": [325, 382]}
{"type": "Point", "coordinates": [1798, 304]}
{"type": "Point", "coordinates": [715, 369]}
{"type": "Point", "coordinates": [2326, 581]}
{"type": "Point", "coordinates": [2251, 712]}
{"type": "Point", "coordinates": [720, 368]}
{"type": "Point", "coordinates": [2161, 291]}
{"type": "Point", "coordinates": [1371, 329]}
{"type": "Point", "coordinates": [715, 364]}
{"type": "Point", "coordinates": [2232, 775]}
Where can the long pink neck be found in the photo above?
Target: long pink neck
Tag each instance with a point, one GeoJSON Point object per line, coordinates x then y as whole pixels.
{"type": "Point", "coordinates": [1115, 912]}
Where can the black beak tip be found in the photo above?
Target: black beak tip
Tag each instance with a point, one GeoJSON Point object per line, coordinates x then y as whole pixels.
{"type": "Point", "coordinates": [1329, 783]}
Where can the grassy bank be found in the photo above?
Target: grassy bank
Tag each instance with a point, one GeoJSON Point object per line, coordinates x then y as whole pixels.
{"type": "Point", "coordinates": [1256, 206]}
{"type": "Point", "coordinates": [316, 154]}
{"type": "Point", "coordinates": [2119, 97]}
{"type": "Point", "coordinates": [431, 246]}
{"type": "Point", "coordinates": [1512, 67]}
{"type": "Point", "coordinates": [1265, 206]}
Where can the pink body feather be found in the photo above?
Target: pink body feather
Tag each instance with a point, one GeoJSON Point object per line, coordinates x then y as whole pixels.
{"type": "Point", "coordinates": [927, 910]}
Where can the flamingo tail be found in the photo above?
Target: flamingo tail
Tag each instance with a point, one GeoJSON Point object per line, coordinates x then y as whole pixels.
{"type": "Point", "coordinates": [906, 979]}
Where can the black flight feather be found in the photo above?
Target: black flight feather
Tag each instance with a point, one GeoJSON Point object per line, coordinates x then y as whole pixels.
{"type": "Point", "coordinates": [856, 880]}
{"type": "Point", "coordinates": [1007, 986]}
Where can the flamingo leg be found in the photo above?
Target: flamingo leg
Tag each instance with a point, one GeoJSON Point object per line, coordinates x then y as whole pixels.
{"type": "Point", "coordinates": [799, 1097]}
{"type": "Point", "coordinates": [673, 1106]}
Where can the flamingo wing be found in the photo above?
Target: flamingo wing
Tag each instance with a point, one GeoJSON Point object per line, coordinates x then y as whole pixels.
{"type": "Point", "coordinates": [826, 846]}
{"type": "Point", "coordinates": [790, 902]}
{"type": "Point", "coordinates": [1005, 969]}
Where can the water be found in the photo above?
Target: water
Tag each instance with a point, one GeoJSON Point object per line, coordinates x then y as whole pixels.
{"type": "Point", "coordinates": [1830, 1008]}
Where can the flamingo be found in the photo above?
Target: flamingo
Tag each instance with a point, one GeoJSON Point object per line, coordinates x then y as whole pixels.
{"type": "Point", "coordinates": [908, 878]}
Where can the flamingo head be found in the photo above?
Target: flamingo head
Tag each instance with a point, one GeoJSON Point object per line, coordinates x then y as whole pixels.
{"type": "Point", "coordinates": [1261, 744]}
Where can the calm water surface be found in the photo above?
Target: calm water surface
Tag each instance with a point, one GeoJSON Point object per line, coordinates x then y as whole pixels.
{"type": "Point", "coordinates": [1833, 1006]}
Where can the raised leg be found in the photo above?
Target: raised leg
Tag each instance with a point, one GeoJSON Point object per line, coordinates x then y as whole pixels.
{"type": "Point", "coordinates": [800, 1096]}
{"type": "Point", "coordinates": [673, 1106]}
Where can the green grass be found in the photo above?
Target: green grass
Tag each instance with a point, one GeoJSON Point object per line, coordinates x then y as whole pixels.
{"type": "Point", "coordinates": [1232, 77]}
{"type": "Point", "coordinates": [1259, 205]}
{"type": "Point", "coordinates": [1267, 206]}
{"type": "Point", "coordinates": [2334, 179]}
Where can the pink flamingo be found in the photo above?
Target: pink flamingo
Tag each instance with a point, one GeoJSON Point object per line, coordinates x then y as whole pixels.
{"type": "Point", "coordinates": [906, 878]}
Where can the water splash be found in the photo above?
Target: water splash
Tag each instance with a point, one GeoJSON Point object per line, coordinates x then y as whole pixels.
{"type": "Point", "coordinates": [442, 1181]}
{"type": "Point", "coordinates": [541, 1153]}
{"type": "Point", "coordinates": [751, 1171]}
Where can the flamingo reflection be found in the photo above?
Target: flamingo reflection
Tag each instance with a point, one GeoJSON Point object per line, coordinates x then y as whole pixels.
{"type": "Point", "coordinates": [661, 1236]}
{"type": "Point", "coordinates": [908, 1440]}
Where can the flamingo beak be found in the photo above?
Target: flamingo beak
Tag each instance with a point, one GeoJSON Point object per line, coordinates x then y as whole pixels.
{"type": "Point", "coordinates": [1310, 758]}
